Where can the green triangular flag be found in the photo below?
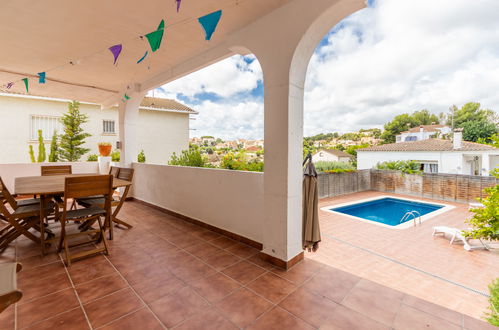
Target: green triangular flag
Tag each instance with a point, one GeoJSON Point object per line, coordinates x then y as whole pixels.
{"type": "Point", "coordinates": [127, 97]}
{"type": "Point", "coordinates": [155, 37]}
{"type": "Point", "coordinates": [26, 84]}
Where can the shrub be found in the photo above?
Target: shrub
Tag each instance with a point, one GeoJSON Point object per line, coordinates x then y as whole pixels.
{"type": "Point", "coordinates": [32, 154]}
{"type": "Point", "coordinates": [485, 220]}
{"type": "Point", "coordinates": [191, 157]}
{"type": "Point", "coordinates": [92, 158]}
{"type": "Point", "coordinates": [42, 155]}
{"type": "Point", "coordinates": [238, 161]}
{"type": "Point", "coordinates": [115, 156]}
{"type": "Point", "coordinates": [405, 166]}
{"type": "Point", "coordinates": [493, 316]}
{"type": "Point", "coordinates": [54, 149]}
{"type": "Point", "coordinates": [141, 157]}
{"type": "Point", "coordinates": [333, 167]}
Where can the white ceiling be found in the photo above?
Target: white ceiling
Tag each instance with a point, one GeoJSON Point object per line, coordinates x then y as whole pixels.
{"type": "Point", "coordinates": [38, 36]}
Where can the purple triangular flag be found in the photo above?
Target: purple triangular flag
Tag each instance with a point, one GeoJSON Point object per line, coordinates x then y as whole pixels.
{"type": "Point", "coordinates": [116, 50]}
{"type": "Point", "coordinates": [9, 85]}
{"type": "Point", "coordinates": [178, 4]}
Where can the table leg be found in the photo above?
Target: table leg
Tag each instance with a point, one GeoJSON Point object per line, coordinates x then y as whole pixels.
{"type": "Point", "coordinates": [43, 202]}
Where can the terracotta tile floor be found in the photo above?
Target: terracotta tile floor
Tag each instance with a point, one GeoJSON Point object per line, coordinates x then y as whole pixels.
{"type": "Point", "coordinates": [346, 241]}
{"type": "Point", "coordinates": [153, 279]}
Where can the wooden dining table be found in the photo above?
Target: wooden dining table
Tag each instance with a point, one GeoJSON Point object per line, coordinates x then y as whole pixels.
{"type": "Point", "coordinates": [48, 186]}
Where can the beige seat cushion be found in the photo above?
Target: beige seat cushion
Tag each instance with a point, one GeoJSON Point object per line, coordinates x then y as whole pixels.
{"type": "Point", "coordinates": [8, 277]}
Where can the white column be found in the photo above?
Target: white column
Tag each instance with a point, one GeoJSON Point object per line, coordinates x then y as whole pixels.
{"type": "Point", "coordinates": [128, 127]}
{"type": "Point", "coordinates": [282, 230]}
{"type": "Point", "coordinates": [485, 170]}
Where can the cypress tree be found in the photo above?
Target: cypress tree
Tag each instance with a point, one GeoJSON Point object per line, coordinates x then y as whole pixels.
{"type": "Point", "coordinates": [74, 136]}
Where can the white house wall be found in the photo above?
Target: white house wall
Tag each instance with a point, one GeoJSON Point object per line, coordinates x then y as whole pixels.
{"type": "Point", "coordinates": [160, 133]}
{"type": "Point", "coordinates": [451, 162]}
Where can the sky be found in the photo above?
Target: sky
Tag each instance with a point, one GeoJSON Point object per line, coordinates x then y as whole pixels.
{"type": "Point", "coordinates": [394, 57]}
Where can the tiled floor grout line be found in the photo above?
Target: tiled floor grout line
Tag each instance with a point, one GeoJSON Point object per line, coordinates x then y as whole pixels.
{"type": "Point", "coordinates": [407, 265]}
{"type": "Point", "coordinates": [76, 293]}
{"type": "Point", "coordinates": [136, 294]}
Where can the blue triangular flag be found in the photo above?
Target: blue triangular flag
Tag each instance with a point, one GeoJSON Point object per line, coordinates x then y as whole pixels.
{"type": "Point", "coordinates": [143, 57]}
{"type": "Point", "coordinates": [210, 22]}
{"type": "Point", "coordinates": [41, 77]}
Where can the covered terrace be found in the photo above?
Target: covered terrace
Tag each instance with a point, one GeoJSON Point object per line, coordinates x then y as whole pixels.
{"type": "Point", "coordinates": [210, 248]}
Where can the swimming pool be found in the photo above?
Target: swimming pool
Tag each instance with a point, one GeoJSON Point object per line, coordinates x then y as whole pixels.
{"type": "Point", "coordinates": [388, 211]}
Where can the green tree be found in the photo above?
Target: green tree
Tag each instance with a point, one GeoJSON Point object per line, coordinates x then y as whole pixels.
{"type": "Point", "coordinates": [54, 149]}
{"type": "Point", "coordinates": [492, 140]}
{"type": "Point", "coordinates": [485, 220]}
{"type": "Point", "coordinates": [481, 129]}
{"type": "Point", "coordinates": [191, 157]}
{"type": "Point", "coordinates": [405, 121]}
{"type": "Point", "coordinates": [32, 154]}
{"type": "Point", "coordinates": [74, 135]}
{"type": "Point", "coordinates": [469, 112]}
{"type": "Point", "coordinates": [42, 154]}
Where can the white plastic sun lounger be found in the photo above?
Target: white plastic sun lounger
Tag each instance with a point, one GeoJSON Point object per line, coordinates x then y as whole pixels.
{"type": "Point", "coordinates": [457, 235]}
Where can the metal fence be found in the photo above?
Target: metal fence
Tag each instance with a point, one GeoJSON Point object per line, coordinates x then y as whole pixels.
{"type": "Point", "coordinates": [450, 187]}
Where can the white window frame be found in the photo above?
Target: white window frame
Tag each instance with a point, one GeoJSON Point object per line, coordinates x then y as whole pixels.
{"type": "Point", "coordinates": [104, 132]}
{"type": "Point", "coordinates": [47, 134]}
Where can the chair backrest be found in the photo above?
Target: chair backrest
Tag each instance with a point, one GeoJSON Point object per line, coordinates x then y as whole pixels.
{"type": "Point", "coordinates": [88, 185]}
{"type": "Point", "coordinates": [56, 170]}
{"type": "Point", "coordinates": [113, 170]}
{"type": "Point", "coordinates": [6, 197]}
{"type": "Point", "coordinates": [125, 174]}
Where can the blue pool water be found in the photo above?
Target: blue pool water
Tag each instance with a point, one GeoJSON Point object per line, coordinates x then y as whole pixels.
{"type": "Point", "coordinates": [388, 211]}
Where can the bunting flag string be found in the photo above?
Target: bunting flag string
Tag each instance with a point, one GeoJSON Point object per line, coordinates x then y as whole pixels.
{"type": "Point", "coordinates": [155, 37]}
{"type": "Point", "coordinates": [41, 77]}
{"type": "Point", "coordinates": [210, 22]}
{"type": "Point", "coordinates": [26, 84]}
{"type": "Point", "coordinates": [143, 57]}
{"type": "Point", "coordinates": [116, 50]}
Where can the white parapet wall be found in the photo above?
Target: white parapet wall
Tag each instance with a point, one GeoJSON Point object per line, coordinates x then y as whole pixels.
{"type": "Point", "coordinates": [9, 172]}
{"type": "Point", "coordinates": [229, 200]}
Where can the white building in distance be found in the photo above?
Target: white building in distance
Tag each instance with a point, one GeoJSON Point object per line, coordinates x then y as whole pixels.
{"type": "Point", "coordinates": [423, 132]}
{"type": "Point", "coordinates": [331, 155]}
{"type": "Point", "coordinates": [163, 126]}
{"type": "Point", "coordinates": [435, 155]}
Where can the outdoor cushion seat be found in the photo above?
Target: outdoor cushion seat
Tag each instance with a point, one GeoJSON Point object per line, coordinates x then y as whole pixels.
{"type": "Point", "coordinates": [83, 213]}
{"type": "Point", "coordinates": [8, 284]}
{"type": "Point", "coordinates": [33, 209]}
{"type": "Point", "coordinates": [96, 201]}
{"type": "Point", "coordinates": [24, 202]}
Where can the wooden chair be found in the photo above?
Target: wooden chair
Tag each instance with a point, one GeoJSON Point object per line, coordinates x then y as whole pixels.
{"type": "Point", "coordinates": [9, 198]}
{"type": "Point", "coordinates": [117, 201]}
{"type": "Point", "coordinates": [79, 187]}
{"type": "Point", "coordinates": [9, 294]}
{"type": "Point", "coordinates": [20, 219]}
{"type": "Point", "coordinates": [56, 170]}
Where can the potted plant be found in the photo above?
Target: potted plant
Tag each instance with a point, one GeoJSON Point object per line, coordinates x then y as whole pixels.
{"type": "Point", "coordinates": [104, 149]}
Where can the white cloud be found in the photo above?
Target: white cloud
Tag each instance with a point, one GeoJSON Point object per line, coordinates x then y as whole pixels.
{"type": "Point", "coordinates": [397, 57]}
{"type": "Point", "coordinates": [225, 78]}
{"type": "Point", "coordinates": [403, 56]}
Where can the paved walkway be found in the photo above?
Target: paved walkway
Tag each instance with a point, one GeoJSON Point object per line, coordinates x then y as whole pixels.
{"type": "Point", "coordinates": [410, 260]}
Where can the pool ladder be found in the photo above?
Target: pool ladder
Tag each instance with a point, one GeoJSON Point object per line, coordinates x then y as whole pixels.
{"type": "Point", "coordinates": [415, 215]}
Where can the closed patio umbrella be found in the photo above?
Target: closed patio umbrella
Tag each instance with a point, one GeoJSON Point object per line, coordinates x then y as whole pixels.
{"type": "Point", "coordinates": [311, 231]}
